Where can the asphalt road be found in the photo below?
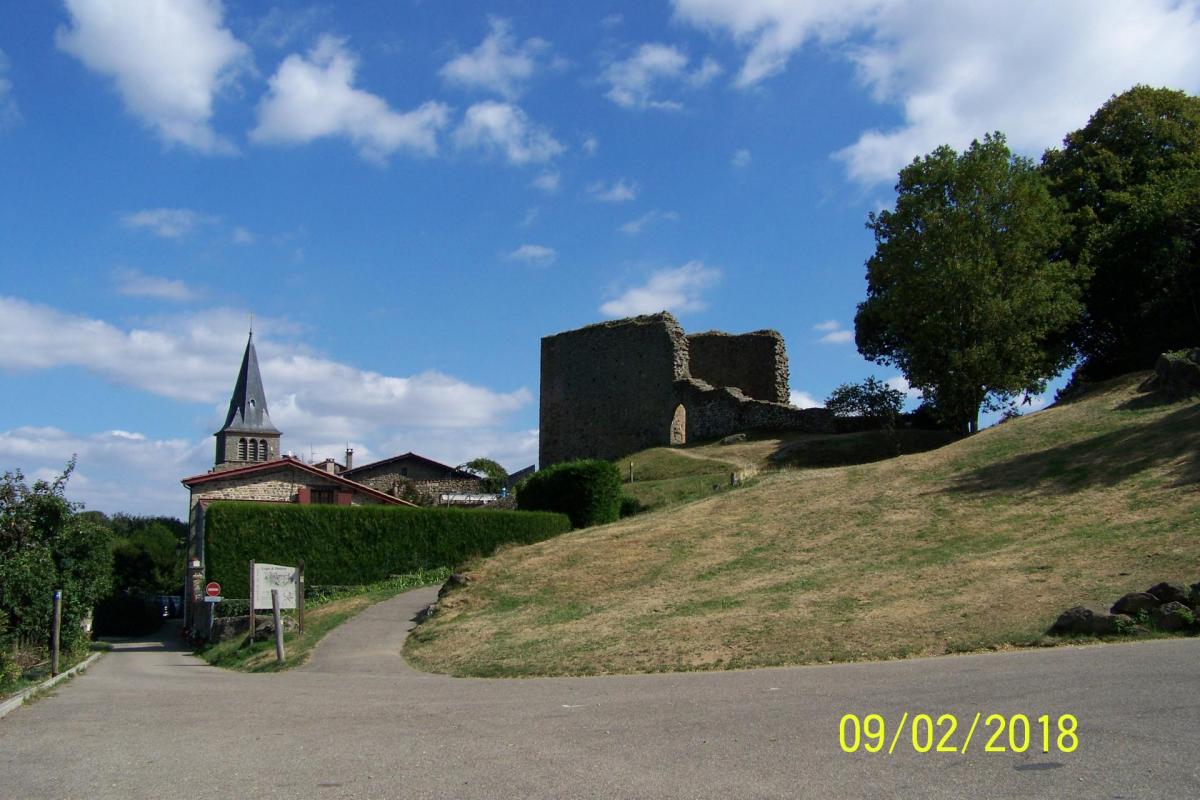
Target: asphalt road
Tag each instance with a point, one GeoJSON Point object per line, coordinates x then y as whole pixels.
{"type": "Point", "coordinates": [149, 721]}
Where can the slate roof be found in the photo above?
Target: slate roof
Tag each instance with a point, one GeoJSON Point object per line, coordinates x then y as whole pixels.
{"type": "Point", "coordinates": [248, 405]}
{"type": "Point", "coordinates": [451, 472]}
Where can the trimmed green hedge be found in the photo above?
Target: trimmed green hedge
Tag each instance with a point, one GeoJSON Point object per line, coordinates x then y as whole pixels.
{"type": "Point", "coordinates": [588, 491]}
{"type": "Point", "coordinates": [354, 545]}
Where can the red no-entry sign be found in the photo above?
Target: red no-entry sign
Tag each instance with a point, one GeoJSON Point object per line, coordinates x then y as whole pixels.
{"type": "Point", "coordinates": [213, 589]}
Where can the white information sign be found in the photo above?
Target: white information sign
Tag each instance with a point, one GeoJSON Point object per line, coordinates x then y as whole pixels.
{"type": "Point", "coordinates": [274, 576]}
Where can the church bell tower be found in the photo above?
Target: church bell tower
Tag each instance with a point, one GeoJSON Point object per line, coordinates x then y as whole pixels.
{"type": "Point", "coordinates": [247, 437]}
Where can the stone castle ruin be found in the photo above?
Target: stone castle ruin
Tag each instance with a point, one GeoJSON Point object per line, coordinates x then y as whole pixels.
{"type": "Point", "coordinates": [618, 387]}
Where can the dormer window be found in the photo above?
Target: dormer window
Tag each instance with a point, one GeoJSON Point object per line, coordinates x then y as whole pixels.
{"type": "Point", "coordinates": [252, 402]}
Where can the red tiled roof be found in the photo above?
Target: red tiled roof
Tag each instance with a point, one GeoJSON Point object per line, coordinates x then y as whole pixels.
{"type": "Point", "coordinates": [295, 463]}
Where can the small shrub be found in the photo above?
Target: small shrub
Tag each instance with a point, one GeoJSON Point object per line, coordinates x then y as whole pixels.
{"type": "Point", "coordinates": [872, 398]}
{"type": "Point", "coordinates": [630, 506]}
{"type": "Point", "coordinates": [589, 492]}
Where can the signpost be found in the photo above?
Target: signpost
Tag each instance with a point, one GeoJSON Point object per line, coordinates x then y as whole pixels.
{"type": "Point", "coordinates": [213, 590]}
{"type": "Point", "coordinates": [271, 583]}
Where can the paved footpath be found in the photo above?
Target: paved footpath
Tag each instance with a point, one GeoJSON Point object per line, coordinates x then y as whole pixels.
{"type": "Point", "coordinates": [150, 721]}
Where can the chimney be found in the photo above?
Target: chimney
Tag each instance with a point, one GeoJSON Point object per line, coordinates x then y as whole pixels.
{"type": "Point", "coordinates": [349, 458]}
{"type": "Point", "coordinates": [330, 466]}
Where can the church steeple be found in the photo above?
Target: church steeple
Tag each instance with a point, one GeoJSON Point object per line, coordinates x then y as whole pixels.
{"type": "Point", "coordinates": [247, 435]}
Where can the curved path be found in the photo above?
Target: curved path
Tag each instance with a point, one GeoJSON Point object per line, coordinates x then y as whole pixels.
{"type": "Point", "coordinates": [151, 721]}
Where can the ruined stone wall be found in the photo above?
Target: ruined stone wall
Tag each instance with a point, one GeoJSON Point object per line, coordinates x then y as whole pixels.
{"type": "Point", "coordinates": [716, 412]}
{"type": "Point", "coordinates": [754, 362]}
{"type": "Point", "coordinates": [618, 387]}
{"type": "Point", "coordinates": [608, 389]}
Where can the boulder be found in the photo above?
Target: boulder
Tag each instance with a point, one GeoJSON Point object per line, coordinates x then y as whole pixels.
{"type": "Point", "coordinates": [455, 581]}
{"type": "Point", "coordinates": [1173, 616]}
{"type": "Point", "coordinates": [1176, 374]}
{"type": "Point", "coordinates": [1084, 620]}
{"type": "Point", "coordinates": [1194, 595]}
{"type": "Point", "coordinates": [1135, 602]}
{"type": "Point", "coordinates": [1169, 592]}
{"type": "Point", "coordinates": [734, 439]}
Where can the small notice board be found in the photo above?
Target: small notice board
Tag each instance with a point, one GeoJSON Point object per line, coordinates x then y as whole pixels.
{"type": "Point", "coordinates": [275, 576]}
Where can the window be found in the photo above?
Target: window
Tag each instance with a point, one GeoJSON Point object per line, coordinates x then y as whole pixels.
{"type": "Point", "coordinates": [404, 471]}
{"type": "Point", "coordinates": [254, 449]}
{"type": "Point", "coordinates": [241, 454]}
{"type": "Point", "coordinates": [262, 449]}
{"type": "Point", "coordinates": [325, 496]}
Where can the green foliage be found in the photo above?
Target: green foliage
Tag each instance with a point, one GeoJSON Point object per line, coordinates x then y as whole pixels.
{"type": "Point", "coordinates": [494, 476]}
{"type": "Point", "coordinates": [45, 545]}
{"type": "Point", "coordinates": [962, 292]}
{"type": "Point", "coordinates": [353, 545]}
{"type": "Point", "coordinates": [630, 506]}
{"type": "Point", "coordinates": [1130, 180]}
{"type": "Point", "coordinates": [872, 398]}
{"type": "Point", "coordinates": [587, 491]}
{"type": "Point", "coordinates": [148, 560]}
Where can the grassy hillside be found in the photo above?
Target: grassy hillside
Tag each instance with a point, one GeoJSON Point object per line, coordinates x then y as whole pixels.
{"type": "Point", "coordinates": [978, 544]}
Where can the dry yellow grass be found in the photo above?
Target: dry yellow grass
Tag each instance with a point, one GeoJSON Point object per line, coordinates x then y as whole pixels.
{"type": "Point", "coordinates": [978, 544]}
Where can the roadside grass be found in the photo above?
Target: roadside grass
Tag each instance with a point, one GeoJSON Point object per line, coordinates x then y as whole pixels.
{"type": "Point", "coordinates": [39, 671]}
{"type": "Point", "coordinates": [319, 619]}
{"type": "Point", "coordinates": [977, 545]}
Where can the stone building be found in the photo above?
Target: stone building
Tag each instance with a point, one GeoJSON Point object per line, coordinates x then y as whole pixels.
{"type": "Point", "coordinates": [618, 387]}
{"type": "Point", "coordinates": [424, 475]}
{"type": "Point", "coordinates": [248, 467]}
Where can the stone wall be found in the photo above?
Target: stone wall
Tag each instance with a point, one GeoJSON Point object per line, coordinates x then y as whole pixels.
{"type": "Point", "coordinates": [608, 389]}
{"type": "Point", "coordinates": [754, 362]}
{"type": "Point", "coordinates": [391, 482]}
{"type": "Point", "coordinates": [716, 412]}
{"type": "Point", "coordinates": [618, 387]}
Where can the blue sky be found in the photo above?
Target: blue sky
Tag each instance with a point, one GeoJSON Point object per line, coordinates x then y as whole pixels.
{"type": "Point", "coordinates": [407, 195]}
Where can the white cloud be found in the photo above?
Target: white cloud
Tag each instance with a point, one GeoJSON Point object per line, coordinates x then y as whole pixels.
{"type": "Point", "coordinates": [505, 128]}
{"type": "Point", "coordinates": [535, 254]}
{"type": "Point", "coordinates": [634, 226]}
{"type": "Point", "coordinates": [10, 114]}
{"type": "Point", "coordinates": [634, 81]}
{"type": "Point", "coordinates": [133, 283]}
{"type": "Point", "coordinates": [115, 470]}
{"type": "Point", "coordinates": [499, 64]}
{"type": "Point", "coordinates": [530, 217]}
{"type": "Point", "coordinates": [804, 400]}
{"type": "Point", "coordinates": [957, 75]}
{"type": "Point", "coordinates": [618, 191]}
{"type": "Point", "coordinates": [170, 223]}
{"type": "Point", "coordinates": [677, 289]}
{"type": "Point", "coordinates": [242, 235]}
{"type": "Point", "coordinates": [314, 96]}
{"type": "Point", "coordinates": [548, 181]}
{"type": "Point", "coordinates": [833, 333]}
{"type": "Point", "coordinates": [741, 158]}
{"type": "Point", "coordinates": [590, 145]}
{"type": "Point", "coordinates": [900, 384]}
{"type": "Point", "coordinates": [194, 358]}
{"type": "Point", "coordinates": [168, 58]}
{"type": "Point", "coordinates": [612, 21]}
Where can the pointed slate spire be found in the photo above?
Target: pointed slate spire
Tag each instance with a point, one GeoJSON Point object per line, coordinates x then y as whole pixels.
{"type": "Point", "coordinates": [248, 405]}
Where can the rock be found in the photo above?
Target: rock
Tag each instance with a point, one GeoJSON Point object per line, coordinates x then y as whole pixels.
{"type": "Point", "coordinates": [1173, 616]}
{"type": "Point", "coordinates": [1176, 374]}
{"type": "Point", "coordinates": [1084, 620]}
{"type": "Point", "coordinates": [455, 581]}
{"type": "Point", "coordinates": [1194, 595]}
{"type": "Point", "coordinates": [1169, 592]}
{"type": "Point", "coordinates": [1134, 602]}
{"type": "Point", "coordinates": [734, 439]}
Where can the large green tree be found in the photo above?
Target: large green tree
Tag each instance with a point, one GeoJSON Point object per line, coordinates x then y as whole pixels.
{"type": "Point", "coordinates": [1131, 181]}
{"type": "Point", "coordinates": [962, 292]}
